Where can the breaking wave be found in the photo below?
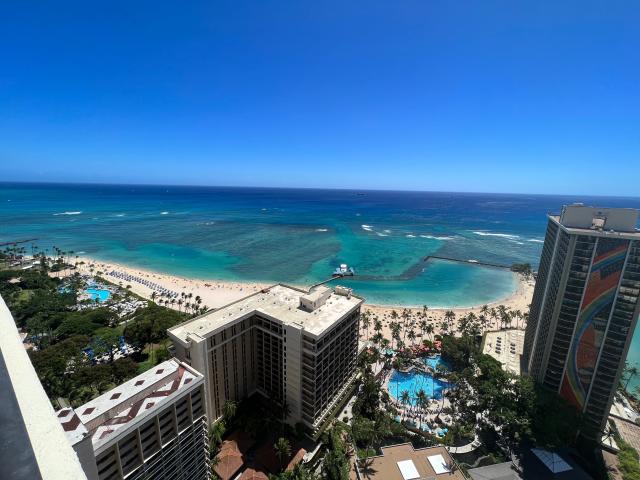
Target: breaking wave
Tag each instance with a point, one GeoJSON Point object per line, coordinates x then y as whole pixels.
{"type": "Point", "coordinates": [435, 237]}
{"type": "Point", "coordinates": [501, 235]}
{"type": "Point", "coordinates": [67, 213]}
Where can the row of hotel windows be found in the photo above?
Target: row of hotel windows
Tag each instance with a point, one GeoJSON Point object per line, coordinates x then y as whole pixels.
{"type": "Point", "coordinates": [331, 365]}
{"type": "Point", "coordinates": [538, 296]}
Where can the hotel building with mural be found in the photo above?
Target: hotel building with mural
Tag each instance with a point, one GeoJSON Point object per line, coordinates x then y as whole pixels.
{"type": "Point", "coordinates": [585, 308]}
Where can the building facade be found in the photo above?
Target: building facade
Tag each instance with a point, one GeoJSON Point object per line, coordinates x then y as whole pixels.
{"type": "Point", "coordinates": [152, 426]}
{"type": "Point", "coordinates": [295, 347]}
{"type": "Point", "coordinates": [585, 307]}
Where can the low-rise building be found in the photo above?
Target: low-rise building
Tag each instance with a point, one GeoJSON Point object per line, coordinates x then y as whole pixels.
{"type": "Point", "coordinates": [534, 464]}
{"type": "Point", "coordinates": [293, 346]}
{"type": "Point", "coordinates": [403, 462]}
{"type": "Point", "coordinates": [506, 347]}
{"type": "Point", "coordinates": [152, 426]}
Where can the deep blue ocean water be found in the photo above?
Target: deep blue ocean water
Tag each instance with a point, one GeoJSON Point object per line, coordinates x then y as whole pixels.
{"type": "Point", "coordinates": [299, 236]}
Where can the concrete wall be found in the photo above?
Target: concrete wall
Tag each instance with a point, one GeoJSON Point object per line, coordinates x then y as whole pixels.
{"type": "Point", "coordinates": [55, 458]}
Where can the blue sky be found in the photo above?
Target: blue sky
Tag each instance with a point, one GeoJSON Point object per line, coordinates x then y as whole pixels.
{"type": "Point", "coordinates": [422, 95]}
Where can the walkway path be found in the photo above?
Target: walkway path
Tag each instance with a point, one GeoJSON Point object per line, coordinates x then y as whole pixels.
{"type": "Point", "coordinates": [469, 447]}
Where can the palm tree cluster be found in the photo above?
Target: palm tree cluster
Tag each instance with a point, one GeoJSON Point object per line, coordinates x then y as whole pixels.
{"type": "Point", "coordinates": [411, 324]}
{"type": "Point", "coordinates": [185, 302]}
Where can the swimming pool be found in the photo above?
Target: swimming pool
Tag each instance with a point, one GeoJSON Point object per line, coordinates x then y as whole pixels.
{"type": "Point", "coordinates": [414, 381]}
{"type": "Point", "coordinates": [100, 294]}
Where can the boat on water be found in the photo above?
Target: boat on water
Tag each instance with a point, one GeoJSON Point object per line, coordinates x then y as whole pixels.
{"type": "Point", "coordinates": [344, 271]}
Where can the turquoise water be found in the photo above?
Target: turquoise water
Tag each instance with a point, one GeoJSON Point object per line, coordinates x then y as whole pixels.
{"type": "Point", "coordinates": [100, 294]}
{"type": "Point", "coordinates": [291, 236]}
{"type": "Point", "coordinates": [413, 382]}
{"type": "Point", "coordinates": [298, 236]}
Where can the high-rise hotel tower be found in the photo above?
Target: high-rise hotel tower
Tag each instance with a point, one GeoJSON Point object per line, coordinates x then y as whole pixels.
{"type": "Point", "coordinates": [295, 347]}
{"type": "Point", "coordinates": [585, 307]}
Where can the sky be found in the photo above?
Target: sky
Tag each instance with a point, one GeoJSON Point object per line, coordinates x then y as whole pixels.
{"type": "Point", "coordinates": [490, 96]}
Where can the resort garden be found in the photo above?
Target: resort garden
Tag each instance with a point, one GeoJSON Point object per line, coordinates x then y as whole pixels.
{"type": "Point", "coordinates": [444, 390]}
{"type": "Point", "coordinates": [84, 335]}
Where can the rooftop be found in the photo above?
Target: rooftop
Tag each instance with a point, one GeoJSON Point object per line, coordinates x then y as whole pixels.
{"type": "Point", "coordinates": [279, 302]}
{"type": "Point", "coordinates": [614, 222]}
{"type": "Point", "coordinates": [129, 402]}
{"type": "Point", "coordinates": [506, 346]}
{"type": "Point", "coordinates": [403, 462]}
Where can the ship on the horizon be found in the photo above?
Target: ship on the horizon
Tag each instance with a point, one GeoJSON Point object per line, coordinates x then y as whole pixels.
{"type": "Point", "coordinates": [344, 271]}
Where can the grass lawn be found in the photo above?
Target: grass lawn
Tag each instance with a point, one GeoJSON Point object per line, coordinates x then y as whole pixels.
{"type": "Point", "coordinates": [24, 296]}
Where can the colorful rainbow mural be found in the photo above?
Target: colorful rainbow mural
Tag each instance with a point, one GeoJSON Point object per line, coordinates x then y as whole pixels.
{"type": "Point", "coordinates": [592, 320]}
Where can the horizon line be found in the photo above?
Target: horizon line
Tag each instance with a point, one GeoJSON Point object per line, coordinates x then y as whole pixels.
{"type": "Point", "coordinates": [350, 189]}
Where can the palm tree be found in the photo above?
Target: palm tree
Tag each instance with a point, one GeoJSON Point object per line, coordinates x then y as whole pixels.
{"type": "Point", "coordinates": [405, 317]}
{"type": "Point", "coordinates": [229, 409]}
{"type": "Point", "coordinates": [494, 315]}
{"type": "Point", "coordinates": [377, 325]}
{"type": "Point", "coordinates": [421, 402]}
{"type": "Point", "coordinates": [366, 321]}
{"type": "Point", "coordinates": [630, 371]}
{"type": "Point", "coordinates": [518, 315]}
{"type": "Point", "coordinates": [450, 317]}
{"type": "Point", "coordinates": [216, 432]}
{"type": "Point", "coordinates": [395, 332]}
{"type": "Point", "coordinates": [405, 397]}
{"type": "Point", "coordinates": [423, 326]}
{"type": "Point", "coordinates": [430, 329]}
{"type": "Point", "coordinates": [283, 450]}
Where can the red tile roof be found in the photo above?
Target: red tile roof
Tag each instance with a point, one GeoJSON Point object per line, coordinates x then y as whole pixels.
{"type": "Point", "coordinates": [297, 458]}
{"type": "Point", "coordinates": [232, 454]}
{"type": "Point", "coordinates": [251, 474]}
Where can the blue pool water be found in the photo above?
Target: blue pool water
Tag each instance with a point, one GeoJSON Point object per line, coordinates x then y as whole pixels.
{"type": "Point", "coordinates": [100, 294]}
{"type": "Point", "coordinates": [413, 382]}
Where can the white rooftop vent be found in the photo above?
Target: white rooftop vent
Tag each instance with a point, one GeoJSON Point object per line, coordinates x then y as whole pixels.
{"type": "Point", "coordinates": [438, 464]}
{"type": "Point", "coordinates": [315, 298]}
{"type": "Point", "coordinates": [408, 470]}
{"type": "Point", "coordinates": [344, 291]}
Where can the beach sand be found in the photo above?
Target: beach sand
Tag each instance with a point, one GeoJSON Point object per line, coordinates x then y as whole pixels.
{"type": "Point", "coordinates": [214, 293]}
{"type": "Point", "coordinates": [218, 293]}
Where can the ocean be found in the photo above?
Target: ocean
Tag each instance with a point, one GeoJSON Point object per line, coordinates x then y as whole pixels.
{"type": "Point", "coordinates": [299, 235]}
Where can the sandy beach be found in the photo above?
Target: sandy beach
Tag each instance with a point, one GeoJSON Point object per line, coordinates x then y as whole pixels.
{"type": "Point", "coordinates": [214, 293]}
{"type": "Point", "coordinates": [217, 293]}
